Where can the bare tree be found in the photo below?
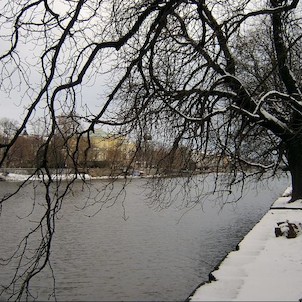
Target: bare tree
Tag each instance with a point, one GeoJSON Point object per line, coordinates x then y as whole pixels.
{"type": "Point", "coordinates": [8, 129]}
{"type": "Point", "coordinates": [207, 76]}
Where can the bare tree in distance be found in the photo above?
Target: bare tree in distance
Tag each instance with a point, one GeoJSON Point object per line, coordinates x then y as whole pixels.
{"type": "Point", "coordinates": [217, 78]}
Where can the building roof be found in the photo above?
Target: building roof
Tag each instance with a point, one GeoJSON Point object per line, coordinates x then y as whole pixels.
{"type": "Point", "coordinates": [99, 133]}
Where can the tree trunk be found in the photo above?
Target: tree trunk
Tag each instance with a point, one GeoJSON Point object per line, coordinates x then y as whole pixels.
{"type": "Point", "coordinates": [294, 157]}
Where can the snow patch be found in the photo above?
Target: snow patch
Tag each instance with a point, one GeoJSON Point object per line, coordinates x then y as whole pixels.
{"type": "Point", "coordinates": [287, 192]}
{"type": "Point", "coordinates": [56, 177]}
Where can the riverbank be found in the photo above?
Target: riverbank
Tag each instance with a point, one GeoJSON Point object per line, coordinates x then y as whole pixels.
{"type": "Point", "coordinates": [267, 265]}
{"type": "Point", "coordinates": [16, 177]}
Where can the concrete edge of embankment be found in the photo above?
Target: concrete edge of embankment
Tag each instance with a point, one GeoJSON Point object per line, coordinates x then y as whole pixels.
{"type": "Point", "coordinates": [280, 204]}
{"type": "Point", "coordinates": [211, 277]}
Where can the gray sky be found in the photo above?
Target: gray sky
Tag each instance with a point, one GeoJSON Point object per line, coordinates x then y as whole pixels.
{"type": "Point", "coordinates": [11, 107]}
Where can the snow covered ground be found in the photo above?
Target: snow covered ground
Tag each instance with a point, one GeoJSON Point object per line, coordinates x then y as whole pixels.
{"type": "Point", "coordinates": [266, 267]}
{"type": "Point", "coordinates": [22, 177]}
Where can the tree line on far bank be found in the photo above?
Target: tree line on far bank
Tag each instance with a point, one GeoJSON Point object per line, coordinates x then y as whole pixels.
{"type": "Point", "coordinates": [101, 155]}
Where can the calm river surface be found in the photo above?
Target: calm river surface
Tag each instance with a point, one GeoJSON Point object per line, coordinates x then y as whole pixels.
{"type": "Point", "coordinates": [152, 255]}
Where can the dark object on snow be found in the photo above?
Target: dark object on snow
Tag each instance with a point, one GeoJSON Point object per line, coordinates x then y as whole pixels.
{"type": "Point", "coordinates": [212, 277]}
{"type": "Point", "coordinates": [288, 229]}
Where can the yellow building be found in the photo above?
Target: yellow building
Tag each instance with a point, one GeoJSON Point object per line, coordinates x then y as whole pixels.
{"type": "Point", "coordinates": [114, 150]}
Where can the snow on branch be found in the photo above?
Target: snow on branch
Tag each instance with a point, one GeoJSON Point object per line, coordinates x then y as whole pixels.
{"type": "Point", "coordinates": [266, 11]}
{"type": "Point", "coordinates": [257, 165]}
{"type": "Point", "coordinates": [272, 95]}
{"type": "Point", "coordinates": [194, 119]}
{"type": "Point", "coordinates": [282, 127]}
{"type": "Point", "coordinates": [246, 112]}
{"type": "Point", "coordinates": [250, 108]}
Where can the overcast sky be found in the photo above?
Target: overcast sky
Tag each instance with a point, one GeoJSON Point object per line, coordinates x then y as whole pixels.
{"type": "Point", "coordinates": [10, 107]}
{"type": "Point", "coordinates": [15, 107]}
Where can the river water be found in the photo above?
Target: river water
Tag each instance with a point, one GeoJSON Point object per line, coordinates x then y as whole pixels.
{"type": "Point", "coordinates": [151, 255]}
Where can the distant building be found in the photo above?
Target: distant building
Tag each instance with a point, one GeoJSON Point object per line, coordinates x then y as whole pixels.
{"type": "Point", "coordinates": [210, 162]}
{"type": "Point", "coordinates": [114, 148]}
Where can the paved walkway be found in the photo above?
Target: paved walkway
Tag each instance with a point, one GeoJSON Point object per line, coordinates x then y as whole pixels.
{"type": "Point", "coordinates": [266, 267]}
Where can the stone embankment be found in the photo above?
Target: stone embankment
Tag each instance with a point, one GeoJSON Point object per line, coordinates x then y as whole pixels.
{"type": "Point", "coordinates": [267, 265]}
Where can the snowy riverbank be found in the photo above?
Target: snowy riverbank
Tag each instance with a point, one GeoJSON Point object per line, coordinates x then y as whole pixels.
{"type": "Point", "coordinates": [15, 177]}
{"type": "Point", "coordinates": [24, 177]}
{"type": "Point", "coordinates": [267, 265]}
